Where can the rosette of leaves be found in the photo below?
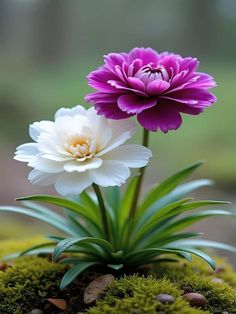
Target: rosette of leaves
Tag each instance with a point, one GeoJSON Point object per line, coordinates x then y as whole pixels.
{"type": "Point", "coordinates": [155, 231]}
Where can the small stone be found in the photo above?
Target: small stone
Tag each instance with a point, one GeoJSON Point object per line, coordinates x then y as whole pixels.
{"type": "Point", "coordinates": [165, 298]}
{"type": "Point", "coordinates": [217, 280]}
{"type": "Point", "coordinates": [36, 311]}
{"type": "Point", "coordinates": [96, 286]}
{"type": "Point", "coordinates": [224, 312]}
{"type": "Point", "coordinates": [219, 269]}
{"type": "Point", "coordinates": [195, 299]}
{"type": "Point", "coordinates": [59, 303]}
{"type": "Point", "coordinates": [3, 266]}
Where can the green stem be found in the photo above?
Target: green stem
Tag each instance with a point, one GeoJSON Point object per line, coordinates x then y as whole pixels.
{"type": "Point", "coordinates": [140, 179]}
{"type": "Point", "coordinates": [103, 210]}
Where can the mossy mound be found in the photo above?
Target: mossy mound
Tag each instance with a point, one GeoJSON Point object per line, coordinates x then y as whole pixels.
{"type": "Point", "coordinates": [30, 281]}
{"type": "Point", "coordinates": [137, 295]}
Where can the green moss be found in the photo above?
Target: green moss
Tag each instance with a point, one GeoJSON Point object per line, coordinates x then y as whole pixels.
{"type": "Point", "coordinates": [29, 281]}
{"type": "Point", "coordinates": [198, 277]}
{"type": "Point", "coordinates": [137, 295]}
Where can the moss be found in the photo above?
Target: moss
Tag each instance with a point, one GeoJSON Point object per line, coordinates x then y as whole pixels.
{"type": "Point", "coordinates": [198, 277]}
{"type": "Point", "coordinates": [137, 295]}
{"type": "Point", "coordinates": [29, 281]}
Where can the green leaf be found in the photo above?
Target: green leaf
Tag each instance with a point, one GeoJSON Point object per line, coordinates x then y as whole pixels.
{"type": "Point", "coordinates": [39, 216]}
{"type": "Point", "coordinates": [175, 195]}
{"type": "Point", "coordinates": [115, 266]}
{"type": "Point", "coordinates": [126, 201]}
{"type": "Point", "coordinates": [167, 186]}
{"type": "Point", "coordinates": [141, 228]}
{"type": "Point", "coordinates": [172, 238]}
{"type": "Point", "coordinates": [67, 243]}
{"type": "Point", "coordinates": [71, 274]}
{"type": "Point", "coordinates": [189, 220]}
{"type": "Point", "coordinates": [39, 246]}
{"type": "Point", "coordinates": [201, 243]}
{"type": "Point", "coordinates": [85, 212]}
{"type": "Point", "coordinates": [113, 197]}
{"type": "Point", "coordinates": [200, 254]}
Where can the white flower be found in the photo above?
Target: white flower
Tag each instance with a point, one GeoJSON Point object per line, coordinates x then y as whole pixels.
{"type": "Point", "coordinates": [81, 148]}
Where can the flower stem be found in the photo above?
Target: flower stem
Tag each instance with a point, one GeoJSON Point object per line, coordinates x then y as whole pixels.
{"type": "Point", "coordinates": [140, 179]}
{"type": "Point", "coordinates": [103, 210]}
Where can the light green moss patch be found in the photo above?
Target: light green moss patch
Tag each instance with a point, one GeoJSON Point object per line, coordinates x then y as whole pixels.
{"type": "Point", "coordinates": [137, 295]}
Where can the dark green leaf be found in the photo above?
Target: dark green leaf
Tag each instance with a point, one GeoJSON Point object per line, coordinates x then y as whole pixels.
{"type": "Point", "coordinates": [71, 274]}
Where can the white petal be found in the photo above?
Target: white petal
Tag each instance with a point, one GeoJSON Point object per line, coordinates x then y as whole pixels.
{"type": "Point", "coordinates": [72, 183]}
{"type": "Point", "coordinates": [110, 173]}
{"type": "Point", "coordinates": [70, 111]}
{"type": "Point", "coordinates": [122, 130]}
{"type": "Point", "coordinates": [101, 128]}
{"type": "Point", "coordinates": [66, 126]}
{"type": "Point", "coordinates": [132, 155]}
{"type": "Point", "coordinates": [37, 128]}
{"type": "Point", "coordinates": [46, 165]}
{"type": "Point", "coordinates": [26, 152]}
{"type": "Point", "coordinates": [78, 166]}
{"type": "Point", "coordinates": [40, 178]}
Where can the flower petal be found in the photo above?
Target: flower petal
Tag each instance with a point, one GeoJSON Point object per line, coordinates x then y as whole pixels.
{"type": "Point", "coordinates": [133, 156]}
{"type": "Point", "coordinates": [70, 111]}
{"type": "Point", "coordinates": [157, 87]}
{"type": "Point", "coordinates": [111, 111]}
{"type": "Point", "coordinates": [134, 105]}
{"type": "Point", "coordinates": [26, 152]}
{"type": "Point", "coordinates": [111, 173]}
{"type": "Point", "coordinates": [72, 183]}
{"type": "Point", "coordinates": [162, 117]}
{"type": "Point", "coordinates": [37, 128]}
{"type": "Point", "coordinates": [121, 132]}
{"type": "Point", "coordinates": [41, 178]}
{"type": "Point", "coordinates": [78, 166]}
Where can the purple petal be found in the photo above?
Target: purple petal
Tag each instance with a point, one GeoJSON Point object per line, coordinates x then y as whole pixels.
{"type": "Point", "coordinates": [111, 111]}
{"type": "Point", "coordinates": [133, 104]}
{"type": "Point", "coordinates": [192, 96]}
{"type": "Point", "coordinates": [147, 55]}
{"type": "Point", "coordinates": [157, 87]}
{"type": "Point", "coordinates": [203, 80]}
{"type": "Point", "coordinates": [187, 109]}
{"type": "Point", "coordinates": [190, 64]}
{"type": "Point", "coordinates": [120, 85]}
{"type": "Point", "coordinates": [136, 83]}
{"type": "Point", "coordinates": [162, 117]}
{"type": "Point", "coordinates": [98, 80]}
{"type": "Point", "coordinates": [100, 97]}
{"type": "Point", "coordinates": [113, 59]}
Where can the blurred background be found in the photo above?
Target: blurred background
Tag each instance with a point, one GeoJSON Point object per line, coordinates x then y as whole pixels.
{"type": "Point", "coordinates": [49, 46]}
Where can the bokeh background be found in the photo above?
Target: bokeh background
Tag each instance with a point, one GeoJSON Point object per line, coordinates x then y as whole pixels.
{"type": "Point", "coordinates": [49, 46]}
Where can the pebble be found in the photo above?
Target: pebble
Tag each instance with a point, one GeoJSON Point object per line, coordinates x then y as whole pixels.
{"type": "Point", "coordinates": [36, 311]}
{"type": "Point", "coordinates": [195, 299]}
{"type": "Point", "coordinates": [165, 298]}
{"type": "Point", "coordinates": [217, 280]}
{"type": "Point", "coordinates": [3, 266]}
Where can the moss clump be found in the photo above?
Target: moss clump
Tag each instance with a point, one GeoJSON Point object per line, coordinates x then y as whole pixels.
{"type": "Point", "coordinates": [198, 277]}
{"type": "Point", "coordinates": [29, 281]}
{"type": "Point", "coordinates": [137, 295]}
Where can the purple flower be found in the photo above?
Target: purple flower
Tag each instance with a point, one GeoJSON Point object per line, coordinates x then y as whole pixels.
{"type": "Point", "coordinates": [156, 87]}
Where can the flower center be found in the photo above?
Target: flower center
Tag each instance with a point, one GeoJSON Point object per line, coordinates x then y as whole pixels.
{"type": "Point", "coordinates": [151, 72]}
{"type": "Point", "coordinates": [80, 146]}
